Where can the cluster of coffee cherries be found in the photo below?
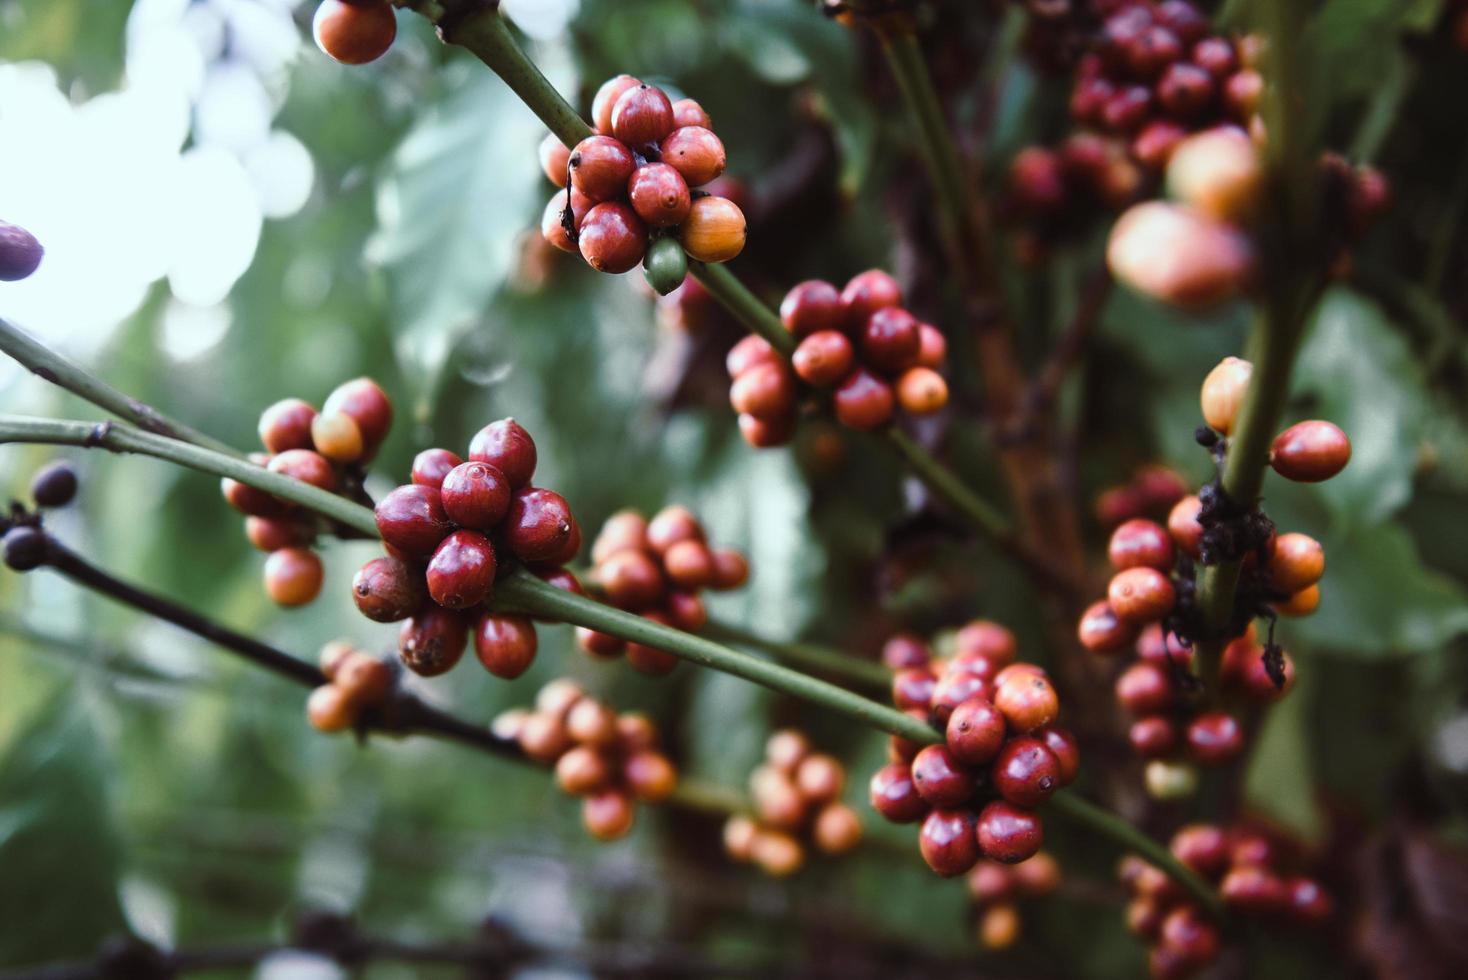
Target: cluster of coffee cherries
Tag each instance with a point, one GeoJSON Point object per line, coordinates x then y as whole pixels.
{"type": "Point", "coordinates": [1252, 872]}
{"type": "Point", "coordinates": [354, 32]}
{"type": "Point", "coordinates": [20, 253]}
{"type": "Point", "coordinates": [797, 804]}
{"type": "Point", "coordinates": [630, 192]}
{"type": "Point", "coordinates": [610, 760]}
{"type": "Point", "coordinates": [326, 449]}
{"type": "Point", "coordinates": [1002, 755]}
{"type": "Point", "coordinates": [356, 681]}
{"type": "Point", "coordinates": [996, 890]}
{"type": "Point", "coordinates": [858, 343]}
{"type": "Point", "coordinates": [656, 568]}
{"type": "Point", "coordinates": [1151, 491]}
{"type": "Point", "coordinates": [448, 534]}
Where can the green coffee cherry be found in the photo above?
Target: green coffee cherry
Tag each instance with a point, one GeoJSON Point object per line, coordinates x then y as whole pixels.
{"type": "Point", "coordinates": [665, 265]}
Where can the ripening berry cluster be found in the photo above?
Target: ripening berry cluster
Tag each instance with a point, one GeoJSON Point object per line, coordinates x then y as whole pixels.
{"type": "Point", "coordinates": [20, 253]}
{"type": "Point", "coordinates": [610, 760]}
{"type": "Point", "coordinates": [23, 543]}
{"type": "Point", "coordinates": [656, 569]}
{"type": "Point", "coordinates": [354, 32]}
{"type": "Point", "coordinates": [630, 189]}
{"type": "Point", "coordinates": [857, 343]}
{"type": "Point", "coordinates": [996, 889]}
{"type": "Point", "coordinates": [326, 449]}
{"type": "Point", "coordinates": [448, 534]}
{"type": "Point", "coordinates": [1249, 869]}
{"type": "Point", "coordinates": [1151, 492]}
{"type": "Point", "coordinates": [797, 804]}
{"type": "Point", "coordinates": [1002, 755]}
{"type": "Point", "coordinates": [355, 682]}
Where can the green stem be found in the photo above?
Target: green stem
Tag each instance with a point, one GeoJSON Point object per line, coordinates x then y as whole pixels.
{"type": "Point", "coordinates": [745, 306]}
{"type": "Point", "coordinates": [808, 655]}
{"type": "Point", "coordinates": [51, 366]}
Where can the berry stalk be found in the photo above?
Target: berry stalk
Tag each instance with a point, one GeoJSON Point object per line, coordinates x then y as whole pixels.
{"type": "Point", "coordinates": [810, 655]}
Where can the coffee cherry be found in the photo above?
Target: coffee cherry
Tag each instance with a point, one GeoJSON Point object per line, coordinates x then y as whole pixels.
{"type": "Point", "coordinates": [932, 346]}
{"type": "Point", "coordinates": [1187, 934]}
{"type": "Point", "coordinates": [913, 688]}
{"type": "Point", "coordinates": [659, 195]}
{"type": "Point", "coordinates": [689, 564]}
{"type": "Point", "coordinates": [539, 527]}
{"type": "Point", "coordinates": [650, 776]}
{"type": "Point", "coordinates": [293, 576]}
{"type": "Point", "coordinates": [777, 801]}
{"type": "Point", "coordinates": [54, 484]}
{"type": "Point", "coordinates": [1309, 904]}
{"type": "Point", "coordinates": [1140, 595]}
{"type": "Point", "coordinates": [1025, 772]}
{"type": "Point", "coordinates": [1067, 751]}
{"type": "Point", "coordinates": [671, 525]}
{"type": "Point", "coordinates": [642, 114]}
{"type": "Point", "coordinates": [696, 153]}
{"type": "Point", "coordinates": [837, 829]}
{"type": "Point", "coordinates": [748, 353]}
{"type": "Point", "coordinates": [764, 434]}
{"type": "Point", "coordinates": [894, 795]}
{"type": "Point", "coordinates": [475, 495]}
{"type": "Point", "coordinates": [287, 425]}
{"type": "Point", "coordinates": [411, 519]}
{"type": "Point", "coordinates": [432, 641]}
{"type": "Point", "coordinates": [552, 219]}
{"type": "Point", "coordinates": [686, 611]}
{"type": "Point", "coordinates": [766, 391]}
{"type": "Point", "coordinates": [631, 580]}
{"type": "Point", "coordinates": [636, 732]}
{"type": "Point", "coordinates": [975, 732]}
{"type": "Point", "coordinates": [1154, 50]}
{"type": "Point", "coordinates": [368, 405]}
{"type": "Point", "coordinates": [999, 927]}
{"type": "Point", "coordinates": [1178, 256]}
{"type": "Point", "coordinates": [812, 306]}
{"type": "Point", "coordinates": [778, 854]}
{"type": "Point", "coordinates": [1101, 630]}
{"type": "Point", "coordinates": [1254, 680]}
{"type": "Point", "coordinates": [353, 32]}
{"type": "Point", "coordinates": [24, 548]}
{"type": "Point", "coordinates": [333, 655]}
{"type": "Point", "coordinates": [582, 771]}
{"type": "Point", "coordinates": [940, 778]}
{"type": "Point", "coordinates": [1153, 737]}
{"type": "Point", "coordinates": [649, 659]}
{"type": "Point", "coordinates": [823, 358]}
{"type": "Point", "coordinates": [20, 253]}
{"type": "Point", "coordinates": [505, 644]}
{"type": "Point", "coordinates": [1027, 700]}
{"type": "Point", "coordinates": [786, 749]}
{"type": "Point", "coordinates": [922, 391]}
{"type": "Point", "coordinates": [1185, 90]}
{"type": "Point", "coordinates": [274, 533]}
{"type": "Point", "coordinates": [1015, 672]}
{"type": "Point", "coordinates": [1302, 603]}
{"type": "Point", "coordinates": [731, 569]}
{"type": "Point", "coordinates": [890, 340]}
{"type": "Point", "coordinates": [1309, 452]}
{"type": "Point", "coordinates": [714, 231]}
{"type": "Point", "coordinates": [866, 293]}
{"type": "Point", "coordinates": [305, 465]}
{"type": "Point", "coordinates": [601, 168]}
{"type": "Point", "coordinates": [901, 749]}
{"type": "Point", "coordinates": [1202, 847]}
{"type": "Point", "coordinates": [1254, 891]}
{"type": "Point", "coordinates": [608, 815]}
{"type": "Point", "coordinates": [864, 401]}
{"type": "Point", "coordinates": [665, 266]}
{"type": "Point", "coordinates": [387, 590]}
{"type": "Point", "coordinates": [1140, 543]}
{"type": "Point", "coordinates": [612, 238]}
{"type": "Point", "coordinates": [687, 112]}
{"type": "Point", "coordinates": [623, 530]}
{"type": "Point", "coordinates": [1223, 393]}
{"type": "Point", "coordinates": [364, 679]}
{"type": "Point", "coordinates": [1127, 109]}
{"type": "Point", "coordinates": [606, 98]}
{"type": "Point", "coordinates": [1297, 562]}
{"type": "Point", "coordinates": [1218, 173]}
{"type": "Point", "coordinates": [338, 438]}
{"type": "Point", "coordinates": [507, 447]}
{"type": "Point", "coordinates": [461, 572]}
{"type": "Point", "coordinates": [1215, 55]}
{"type": "Point", "coordinates": [903, 650]}
{"type": "Point", "coordinates": [1008, 833]}
{"type": "Point", "coordinates": [542, 737]}
{"type": "Point", "coordinates": [328, 709]}
{"type": "Point", "coordinates": [589, 722]}
{"type": "Point", "coordinates": [1037, 181]}
{"type": "Point", "coordinates": [1144, 689]}
{"type": "Point", "coordinates": [554, 156]}
{"type": "Point", "coordinates": [1183, 526]}
{"type": "Point", "coordinates": [820, 778]}
{"type": "Point", "coordinates": [955, 687]}
{"type": "Point", "coordinates": [948, 843]}
{"type": "Point", "coordinates": [1166, 780]}
{"type": "Point", "coordinates": [1215, 738]}
{"type": "Point", "coordinates": [1242, 92]}
{"type": "Point", "coordinates": [1153, 146]}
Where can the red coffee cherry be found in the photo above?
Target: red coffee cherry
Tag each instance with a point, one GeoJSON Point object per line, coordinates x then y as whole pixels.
{"type": "Point", "coordinates": [367, 404]}
{"type": "Point", "coordinates": [274, 533]}
{"type": "Point", "coordinates": [837, 829]}
{"type": "Point", "coordinates": [1140, 595]}
{"type": "Point", "coordinates": [820, 778]}
{"type": "Point", "coordinates": [932, 346]}
{"type": "Point", "coordinates": [1202, 847]}
{"type": "Point", "coordinates": [328, 709]}
{"type": "Point", "coordinates": [905, 650]}
{"type": "Point", "coordinates": [305, 465]}
{"type": "Point", "coordinates": [812, 306]}
{"type": "Point", "coordinates": [1025, 772]}
{"type": "Point", "coordinates": [1144, 689]}
{"type": "Point", "coordinates": [687, 611]}
{"type": "Point", "coordinates": [913, 688]}
{"type": "Point", "coordinates": [1153, 737]}
{"type": "Point", "coordinates": [1257, 685]}
{"type": "Point", "coordinates": [671, 525]}
{"type": "Point", "coordinates": [1254, 891]}
{"type": "Point", "coordinates": [431, 465]}
{"type": "Point", "coordinates": [606, 97]}
{"type": "Point", "coordinates": [554, 156]}
{"type": "Point", "coordinates": [1027, 700]}
{"type": "Point", "coordinates": [1297, 562]}
{"type": "Point", "coordinates": [1101, 630]}
{"type": "Point", "coordinates": [287, 425]}
{"type": "Point", "coordinates": [1215, 55]}
{"type": "Point", "coordinates": [1037, 180]}
{"type": "Point", "coordinates": [386, 590]}
{"type": "Point", "coordinates": [766, 391]}
{"type": "Point", "coordinates": [1008, 833]}
{"type": "Point", "coordinates": [20, 253]}
{"type": "Point", "coordinates": [954, 688]}
{"type": "Point", "coordinates": [461, 571]}
{"type": "Point", "coordinates": [1309, 904]}
{"type": "Point", "coordinates": [1127, 109]}
{"type": "Point", "coordinates": [695, 152]}
{"type": "Point", "coordinates": [939, 777]}
{"type": "Point", "coordinates": [552, 222]}
{"type": "Point", "coordinates": [608, 815]}
{"type": "Point", "coordinates": [1216, 738]}
{"type": "Point", "coordinates": [624, 529]}
{"type": "Point", "coordinates": [601, 645]}
{"type": "Point", "coordinates": [764, 434]}
{"type": "Point", "coordinates": [748, 353]}
{"type": "Point", "coordinates": [1183, 526]}
{"type": "Point", "coordinates": [864, 401]}
{"type": "Point", "coordinates": [1242, 92]}
{"type": "Point", "coordinates": [866, 293]}
{"type": "Point", "coordinates": [1185, 90]}
{"type": "Point", "coordinates": [1140, 543]}
{"type": "Point", "coordinates": [631, 580]}
{"type": "Point", "coordinates": [250, 501]}
{"type": "Point", "coordinates": [890, 340]}
{"type": "Point", "coordinates": [412, 520]}
{"type": "Point", "coordinates": [582, 770]}
{"type": "Point", "coordinates": [475, 495]}
{"type": "Point", "coordinates": [590, 722]}
{"type": "Point", "coordinates": [823, 358]}
{"type": "Point", "coordinates": [612, 238]}
{"type": "Point", "coordinates": [364, 679]}
{"type": "Point", "coordinates": [1153, 146]}
{"type": "Point", "coordinates": [539, 527]}
{"type": "Point", "coordinates": [432, 642]}
{"type": "Point", "coordinates": [354, 33]}
{"type": "Point", "coordinates": [293, 576]}
{"type": "Point", "coordinates": [1154, 50]}
{"type": "Point", "coordinates": [642, 114]}
{"type": "Point", "coordinates": [687, 112]}
{"type": "Point", "coordinates": [895, 796]}
{"type": "Point", "coordinates": [689, 565]}
{"type": "Point", "coordinates": [986, 640]}
{"type": "Point", "coordinates": [975, 732]}
{"type": "Point", "coordinates": [1187, 934]}
{"type": "Point", "coordinates": [650, 776]}
{"type": "Point", "coordinates": [1182, 18]}
{"type": "Point", "coordinates": [1309, 452]}
{"type": "Point", "coordinates": [1067, 751]}
{"type": "Point", "coordinates": [600, 168]}
{"type": "Point", "coordinates": [731, 569]}
{"type": "Point", "coordinates": [659, 195]}
{"type": "Point", "coordinates": [714, 230]}
{"type": "Point", "coordinates": [507, 447]}
{"type": "Point", "coordinates": [948, 843]}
